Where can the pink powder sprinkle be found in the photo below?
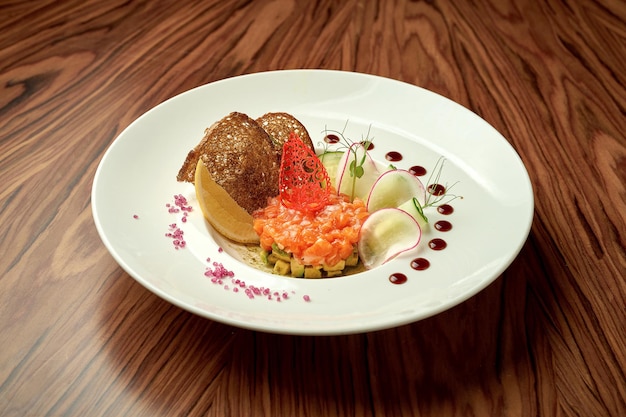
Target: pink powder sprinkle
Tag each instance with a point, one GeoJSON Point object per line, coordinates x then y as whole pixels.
{"type": "Point", "coordinates": [181, 202]}
{"type": "Point", "coordinates": [218, 271]}
{"type": "Point", "coordinates": [306, 298]}
{"type": "Point", "coordinates": [175, 233]}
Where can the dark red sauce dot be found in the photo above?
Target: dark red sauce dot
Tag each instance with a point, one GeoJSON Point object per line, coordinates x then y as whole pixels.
{"type": "Point", "coordinates": [367, 144]}
{"type": "Point", "coordinates": [397, 278]}
{"type": "Point", "coordinates": [420, 264]}
{"type": "Point", "coordinates": [443, 225]}
{"type": "Point", "coordinates": [331, 138]}
{"type": "Point", "coordinates": [445, 209]}
{"type": "Point", "coordinates": [436, 189]}
{"type": "Point", "coordinates": [393, 156]}
{"type": "Point", "coordinates": [417, 170]}
{"type": "Point", "coordinates": [437, 244]}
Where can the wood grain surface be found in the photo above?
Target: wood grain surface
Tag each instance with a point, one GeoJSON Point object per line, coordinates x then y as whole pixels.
{"type": "Point", "coordinates": [80, 337]}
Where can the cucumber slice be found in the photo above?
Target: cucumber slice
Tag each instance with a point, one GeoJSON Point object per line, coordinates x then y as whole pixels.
{"type": "Point", "coordinates": [414, 209]}
{"type": "Point", "coordinates": [330, 160]}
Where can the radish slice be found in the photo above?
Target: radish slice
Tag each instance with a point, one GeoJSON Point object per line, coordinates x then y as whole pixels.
{"type": "Point", "coordinates": [394, 188]}
{"type": "Point", "coordinates": [385, 234]}
{"type": "Point", "coordinates": [357, 172]}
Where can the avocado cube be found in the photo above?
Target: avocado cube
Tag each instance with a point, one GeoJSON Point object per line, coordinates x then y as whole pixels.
{"type": "Point", "coordinates": [297, 269]}
{"type": "Point", "coordinates": [264, 256]}
{"type": "Point", "coordinates": [271, 258]}
{"type": "Point", "coordinates": [312, 271]}
{"type": "Point", "coordinates": [330, 274]}
{"type": "Point", "coordinates": [282, 268]}
{"type": "Point", "coordinates": [280, 254]}
{"type": "Point", "coordinates": [339, 266]}
{"type": "Point", "coordinates": [352, 260]}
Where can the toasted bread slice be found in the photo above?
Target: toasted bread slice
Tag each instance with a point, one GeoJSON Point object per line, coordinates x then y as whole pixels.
{"type": "Point", "coordinates": [280, 125]}
{"type": "Point", "coordinates": [240, 157]}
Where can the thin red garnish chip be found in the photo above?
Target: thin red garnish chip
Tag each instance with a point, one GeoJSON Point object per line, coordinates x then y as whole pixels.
{"type": "Point", "coordinates": [304, 183]}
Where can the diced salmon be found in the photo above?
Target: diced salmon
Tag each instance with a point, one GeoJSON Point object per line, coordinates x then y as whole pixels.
{"type": "Point", "coordinates": [322, 238]}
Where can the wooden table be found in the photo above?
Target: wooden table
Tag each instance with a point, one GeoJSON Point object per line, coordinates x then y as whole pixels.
{"type": "Point", "coordinates": [80, 337]}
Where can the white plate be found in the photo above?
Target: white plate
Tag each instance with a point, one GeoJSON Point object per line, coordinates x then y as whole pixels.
{"type": "Point", "coordinates": [137, 177]}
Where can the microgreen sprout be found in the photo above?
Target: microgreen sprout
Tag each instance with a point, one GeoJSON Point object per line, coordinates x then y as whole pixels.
{"type": "Point", "coordinates": [432, 199]}
{"type": "Point", "coordinates": [356, 168]}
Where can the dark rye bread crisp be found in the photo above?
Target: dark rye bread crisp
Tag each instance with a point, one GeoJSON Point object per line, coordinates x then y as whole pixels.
{"type": "Point", "coordinates": [280, 125]}
{"type": "Point", "coordinates": [240, 157]}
